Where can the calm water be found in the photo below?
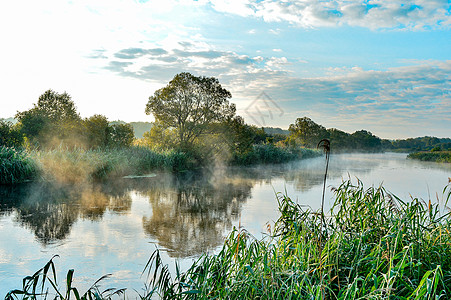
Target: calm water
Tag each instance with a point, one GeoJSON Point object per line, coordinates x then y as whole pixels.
{"type": "Point", "coordinates": [100, 229]}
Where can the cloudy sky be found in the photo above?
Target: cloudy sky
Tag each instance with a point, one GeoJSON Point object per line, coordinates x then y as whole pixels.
{"type": "Point", "coordinates": [378, 65]}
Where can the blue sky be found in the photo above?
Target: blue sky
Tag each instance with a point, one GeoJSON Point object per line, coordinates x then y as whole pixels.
{"type": "Point", "coordinates": [383, 66]}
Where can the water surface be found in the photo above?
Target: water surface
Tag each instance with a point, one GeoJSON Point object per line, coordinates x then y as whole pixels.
{"type": "Point", "coordinates": [98, 229]}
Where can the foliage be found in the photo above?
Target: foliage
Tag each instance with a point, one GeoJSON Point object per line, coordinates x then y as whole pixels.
{"type": "Point", "coordinates": [120, 135]}
{"type": "Point", "coordinates": [159, 137]}
{"type": "Point", "coordinates": [10, 135]}
{"type": "Point", "coordinates": [366, 140]}
{"type": "Point", "coordinates": [307, 133]}
{"type": "Point", "coordinates": [97, 131]}
{"type": "Point", "coordinates": [271, 154]}
{"type": "Point", "coordinates": [16, 166]}
{"type": "Point", "coordinates": [437, 156]}
{"type": "Point", "coordinates": [240, 137]}
{"type": "Point", "coordinates": [425, 143]}
{"type": "Point", "coordinates": [53, 119]}
{"type": "Point", "coordinates": [81, 165]}
{"type": "Point", "coordinates": [189, 105]}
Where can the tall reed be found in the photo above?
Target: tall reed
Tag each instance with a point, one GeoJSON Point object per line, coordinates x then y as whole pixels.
{"type": "Point", "coordinates": [377, 247]}
{"type": "Point", "coordinates": [16, 166]}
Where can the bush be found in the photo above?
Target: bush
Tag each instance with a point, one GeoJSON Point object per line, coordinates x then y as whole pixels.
{"type": "Point", "coordinates": [16, 166]}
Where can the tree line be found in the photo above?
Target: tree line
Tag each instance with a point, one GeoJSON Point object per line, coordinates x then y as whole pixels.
{"type": "Point", "coordinates": [54, 121]}
{"type": "Point", "coordinates": [192, 114]}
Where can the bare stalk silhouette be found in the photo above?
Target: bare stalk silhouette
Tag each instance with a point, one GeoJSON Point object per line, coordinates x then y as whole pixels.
{"type": "Point", "coordinates": [325, 145]}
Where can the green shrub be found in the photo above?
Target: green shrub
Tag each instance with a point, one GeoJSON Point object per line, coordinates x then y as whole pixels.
{"type": "Point", "coordinates": [16, 166]}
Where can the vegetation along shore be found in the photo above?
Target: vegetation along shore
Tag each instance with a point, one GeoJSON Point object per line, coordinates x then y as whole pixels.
{"type": "Point", "coordinates": [371, 245]}
{"type": "Point", "coordinates": [195, 126]}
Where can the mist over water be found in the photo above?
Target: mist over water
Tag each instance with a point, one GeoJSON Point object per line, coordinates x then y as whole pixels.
{"type": "Point", "coordinates": [114, 227]}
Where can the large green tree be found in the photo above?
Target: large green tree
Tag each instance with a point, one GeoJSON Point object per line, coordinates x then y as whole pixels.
{"type": "Point", "coordinates": [307, 133]}
{"type": "Point", "coordinates": [190, 105]}
{"type": "Point", "coordinates": [97, 131]}
{"type": "Point", "coordinates": [53, 119]}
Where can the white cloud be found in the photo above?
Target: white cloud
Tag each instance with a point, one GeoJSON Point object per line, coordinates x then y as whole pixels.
{"type": "Point", "coordinates": [238, 7]}
{"type": "Point", "coordinates": [374, 14]}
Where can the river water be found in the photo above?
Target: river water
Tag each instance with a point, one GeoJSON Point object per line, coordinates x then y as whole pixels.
{"type": "Point", "coordinates": [113, 228]}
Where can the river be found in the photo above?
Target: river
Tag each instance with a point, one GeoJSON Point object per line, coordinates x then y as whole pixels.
{"type": "Point", "coordinates": [113, 228]}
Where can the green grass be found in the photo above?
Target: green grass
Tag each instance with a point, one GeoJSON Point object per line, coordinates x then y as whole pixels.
{"type": "Point", "coordinates": [16, 166]}
{"type": "Point", "coordinates": [437, 156]}
{"type": "Point", "coordinates": [80, 165]}
{"type": "Point", "coordinates": [373, 245]}
{"type": "Point", "coordinates": [68, 165]}
{"type": "Point", "coordinates": [271, 154]}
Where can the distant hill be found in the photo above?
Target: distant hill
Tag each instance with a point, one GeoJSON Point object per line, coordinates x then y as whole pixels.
{"type": "Point", "coordinates": [12, 120]}
{"type": "Point", "coordinates": [275, 130]}
{"type": "Point", "coordinates": [140, 127]}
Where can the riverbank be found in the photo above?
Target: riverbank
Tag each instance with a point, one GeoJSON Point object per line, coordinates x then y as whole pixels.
{"type": "Point", "coordinates": [81, 165]}
{"type": "Point", "coordinates": [371, 245]}
{"type": "Point", "coordinates": [435, 156]}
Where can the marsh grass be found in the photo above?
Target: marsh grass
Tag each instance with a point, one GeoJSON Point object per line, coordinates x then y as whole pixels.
{"type": "Point", "coordinates": [16, 166]}
{"type": "Point", "coordinates": [271, 154]}
{"type": "Point", "coordinates": [377, 246]}
{"type": "Point", "coordinates": [81, 165]}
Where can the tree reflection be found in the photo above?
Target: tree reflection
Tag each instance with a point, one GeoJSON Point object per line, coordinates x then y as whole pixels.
{"type": "Point", "coordinates": [50, 210]}
{"type": "Point", "coordinates": [190, 216]}
{"type": "Point", "coordinates": [191, 212]}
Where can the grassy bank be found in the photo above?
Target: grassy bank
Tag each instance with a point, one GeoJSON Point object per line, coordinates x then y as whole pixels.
{"type": "Point", "coordinates": [437, 156]}
{"type": "Point", "coordinates": [271, 154]}
{"type": "Point", "coordinates": [371, 245]}
{"type": "Point", "coordinates": [81, 165]}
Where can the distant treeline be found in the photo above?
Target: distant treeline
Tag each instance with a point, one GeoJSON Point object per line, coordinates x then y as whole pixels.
{"type": "Point", "coordinates": [307, 133]}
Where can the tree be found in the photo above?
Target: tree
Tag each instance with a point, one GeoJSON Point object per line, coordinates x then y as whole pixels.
{"type": "Point", "coordinates": [365, 140]}
{"type": "Point", "coordinates": [10, 135]}
{"type": "Point", "coordinates": [120, 135]}
{"type": "Point", "coordinates": [97, 131]}
{"type": "Point", "coordinates": [54, 116]}
{"type": "Point", "coordinates": [307, 132]}
{"type": "Point", "coordinates": [190, 104]}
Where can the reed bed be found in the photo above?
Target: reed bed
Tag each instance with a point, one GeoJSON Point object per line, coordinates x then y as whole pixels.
{"type": "Point", "coordinates": [271, 154]}
{"type": "Point", "coordinates": [80, 165]}
{"type": "Point", "coordinates": [372, 245]}
{"type": "Point", "coordinates": [437, 156]}
{"type": "Point", "coordinates": [16, 166]}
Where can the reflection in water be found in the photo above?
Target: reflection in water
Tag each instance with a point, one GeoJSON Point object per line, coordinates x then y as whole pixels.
{"type": "Point", "coordinates": [190, 212]}
{"type": "Point", "coordinates": [190, 216]}
{"type": "Point", "coordinates": [50, 210]}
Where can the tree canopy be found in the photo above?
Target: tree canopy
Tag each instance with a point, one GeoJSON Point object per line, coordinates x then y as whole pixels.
{"type": "Point", "coordinates": [54, 121]}
{"type": "Point", "coordinates": [190, 105]}
{"type": "Point", "coordinates": [53, 117]}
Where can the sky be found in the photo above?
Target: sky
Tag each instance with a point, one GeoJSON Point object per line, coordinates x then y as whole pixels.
{"type": "Point", "coordinates": [382, 66]}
